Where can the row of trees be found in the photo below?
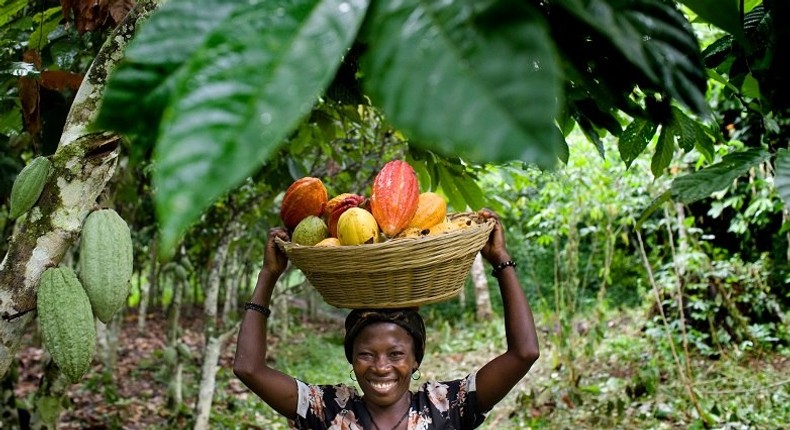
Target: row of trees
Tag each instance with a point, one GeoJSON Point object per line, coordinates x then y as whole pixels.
{"type": "Point", "coordinates": [192, 116]}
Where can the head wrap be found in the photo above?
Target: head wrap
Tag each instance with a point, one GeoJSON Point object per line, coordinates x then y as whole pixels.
{"type": "Point", "coordinates": [408, 318]}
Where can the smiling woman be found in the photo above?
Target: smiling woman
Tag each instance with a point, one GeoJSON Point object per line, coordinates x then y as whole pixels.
{"type": "Point", "coordinates": [385, 348]}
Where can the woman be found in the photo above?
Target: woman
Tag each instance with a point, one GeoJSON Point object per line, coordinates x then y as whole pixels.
{"type": "Point", "coordinates": [385, 349]}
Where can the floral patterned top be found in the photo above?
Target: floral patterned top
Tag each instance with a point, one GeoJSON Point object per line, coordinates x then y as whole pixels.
{"type": "Point", "coordinates": [450, 405]}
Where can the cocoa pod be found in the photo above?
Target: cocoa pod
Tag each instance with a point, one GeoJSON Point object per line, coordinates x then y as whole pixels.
{"type": "Point", "coordinates": [307, 196]}
{"type": "Point", "coordinates": [28, 186]}
{"type": "Point", "coordinates": [350, 201]}
{"type": "Point", "coordinates": [394, 196]}
{"type": "Point", "coordinates": [66, 321]}
{"type": "Point", "coordinates": [106, 262]}
{"type": "Point", "coordinates": [431, 210]}
{"type": "Point", "coordinates": [357, 227]}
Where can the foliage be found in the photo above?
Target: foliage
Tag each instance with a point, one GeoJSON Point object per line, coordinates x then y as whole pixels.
{"type": "Point", "coordinates": [729, 306]}
{"type": "Point", "coordinates": [220, 79]}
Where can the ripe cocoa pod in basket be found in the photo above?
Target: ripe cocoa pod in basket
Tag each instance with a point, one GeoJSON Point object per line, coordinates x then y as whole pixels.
{"type": "Point", "coordinates": [307, 196]}
{"type": "Point", "coordinates": [394, 196]}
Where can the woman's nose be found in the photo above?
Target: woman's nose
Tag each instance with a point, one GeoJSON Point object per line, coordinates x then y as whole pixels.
{"type": "Point", "coordinates": [382, 363]}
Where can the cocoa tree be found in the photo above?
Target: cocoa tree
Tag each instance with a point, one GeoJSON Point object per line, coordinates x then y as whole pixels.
{"type": "Point", "coordinates": [83, 163]}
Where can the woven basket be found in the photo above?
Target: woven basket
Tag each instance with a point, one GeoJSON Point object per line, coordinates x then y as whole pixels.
{"type": "Point", "coordinates": [398, 273]}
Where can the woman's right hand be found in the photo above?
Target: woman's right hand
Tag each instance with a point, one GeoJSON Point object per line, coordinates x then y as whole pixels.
{"type": "Point", "coordinates": [274, 260]}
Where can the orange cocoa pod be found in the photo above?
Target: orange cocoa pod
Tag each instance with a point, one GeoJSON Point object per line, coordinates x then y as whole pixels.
{"type": "Point", "coordinates": [431, 210]}
{"type": "Point", "coordinates": [394, 196]}
{"type": "Point", "coordinates": [307, 196]}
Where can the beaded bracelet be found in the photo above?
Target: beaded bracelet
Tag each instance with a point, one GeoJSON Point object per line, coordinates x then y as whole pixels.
{"type": "Point", "coordinates": [501, 266]}
{"type": "Point", "coordinates": [257, 308]}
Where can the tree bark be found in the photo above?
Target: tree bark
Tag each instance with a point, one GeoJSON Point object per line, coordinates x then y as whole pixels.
{"type": "Point", "coordinates": [211, 331]}
{"type": "Point", "coordinates": [81, 167]}
{"type": "Point", "coordinates": [483, 310]}
{"type": "Point", "coordinates": [145, 288]}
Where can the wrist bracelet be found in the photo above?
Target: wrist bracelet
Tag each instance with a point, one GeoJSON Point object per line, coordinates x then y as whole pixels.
{"type": "Point", "coordinates": [249, 306]}
{"type": "Point", "coordinates": [501, 266]}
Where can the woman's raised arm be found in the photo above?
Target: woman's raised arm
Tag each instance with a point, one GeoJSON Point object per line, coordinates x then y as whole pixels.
{"type": "Point", "coordinates": [274, 387]}
{"type": "Point", "coordinates": [500, 375]}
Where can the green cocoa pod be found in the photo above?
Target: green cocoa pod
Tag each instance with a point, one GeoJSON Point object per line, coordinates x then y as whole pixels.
{"type": "Point", "coordinates": [28, 186]}
{"type": "Point", "coordinates": [181, 273]}
{"type": "Point", "coordinates": [183, 351]}
{"type": "Point", "coordinates": [106, 262]}
{"type": "Point", "coordinates": [170, 355]}
{"type": "Point", "coordinates": [66, 321]}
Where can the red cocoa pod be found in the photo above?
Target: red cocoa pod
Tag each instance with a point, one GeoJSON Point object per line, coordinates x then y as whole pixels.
{"type": "Point", "coordinates": [307, 196]}
{"type": "Point", "coordinates": [334, 202]}
{"type": "Point", "coordinates": [394, 196]}
{"type": "Point", "coordinates": [351, 201]}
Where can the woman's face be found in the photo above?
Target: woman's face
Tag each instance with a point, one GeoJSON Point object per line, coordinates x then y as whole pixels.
{"type": "Point", "coordinates": [383, 361]}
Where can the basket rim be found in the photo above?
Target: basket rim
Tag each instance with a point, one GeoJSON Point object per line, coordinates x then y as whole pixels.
{"type": "Point", "coordinates": [370, 249]}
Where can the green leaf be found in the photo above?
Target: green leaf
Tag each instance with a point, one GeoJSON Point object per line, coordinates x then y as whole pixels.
{"type": "Point", "coordinates": [724, 14]}
{"type": "Point", "coordinates": [750, 87]}
{"type": "Point", "coordinates": [660, 200]}
{"type": "Point", "coordinates": [420, 168]}
{"type": "Point", "coordinates": [656, 38]}
{"type": "Point", "coordinates": [471, 192]}
{"type": "Point", "coordinates": [782, 176]}
{"type": "Point", "coordinates": [466, 78]}
{"type": "Point", "coordinates": [46, 22]}
{"type": "Point", "coordinates": [257, 75]}
{"type": "Point", "coordinates": [665, 150]}
{"type": "Point", "coordinates": [689, 133]}
{"type": "Point", "coordinates": [702, 183]}
{"type": "Point", "coordinates": [9, 9]}
{"type": "Point", "coordinates": [450, 188]}
{"type": "Point", "coordinates": [141, 86]}
{"type": "Point", "coordinates": [634, 139]}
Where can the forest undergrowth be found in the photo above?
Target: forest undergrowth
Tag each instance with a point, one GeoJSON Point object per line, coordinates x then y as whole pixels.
{"type": "Point", "coordinates": [625, 380]}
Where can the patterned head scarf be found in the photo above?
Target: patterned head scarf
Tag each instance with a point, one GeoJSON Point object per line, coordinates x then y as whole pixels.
{"type": "Point", "coordinates": [408, 318]}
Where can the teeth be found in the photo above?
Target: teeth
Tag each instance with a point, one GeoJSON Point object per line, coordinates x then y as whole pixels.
{"type": "Point", "coordinates": [382, 386]}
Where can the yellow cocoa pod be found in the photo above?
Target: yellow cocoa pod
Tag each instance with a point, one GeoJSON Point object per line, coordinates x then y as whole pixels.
{"type": "Point", "coordinates": [356, 226]}
{"type": "Point", "coordinates": [66, 321]}
{"type": "Point", "coordinates": [329, 241]}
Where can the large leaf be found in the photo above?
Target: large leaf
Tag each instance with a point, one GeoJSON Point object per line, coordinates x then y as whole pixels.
{"type": "Point", "coordinates": [465, 79]}
{"type": "Point", "coordinates": [654, 37]}
{"type": "Point", "coordinates": [724, 14]}
{"type": "Point", "coordinates": [141, 86]}
{"type": "Point", "coordinates": [702, 183]}
{"type": "Point", "coordinates": [255, 77]}
{"type": "Point", "coordinates": [782, 175]}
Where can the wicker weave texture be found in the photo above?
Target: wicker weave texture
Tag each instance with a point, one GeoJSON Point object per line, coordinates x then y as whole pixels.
{"type": "Point", "coordinates": [397, 273]}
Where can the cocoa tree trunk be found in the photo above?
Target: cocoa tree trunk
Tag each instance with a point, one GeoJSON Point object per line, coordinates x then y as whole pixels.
{"type": "Point", "coordinates": [81, 167]}
{"type": "Point", "coordinates": [483, 310]}
{"type": "Point", "coordinates": [214, 340]}
{"type": "Point", "coordinates": [146, 287]}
